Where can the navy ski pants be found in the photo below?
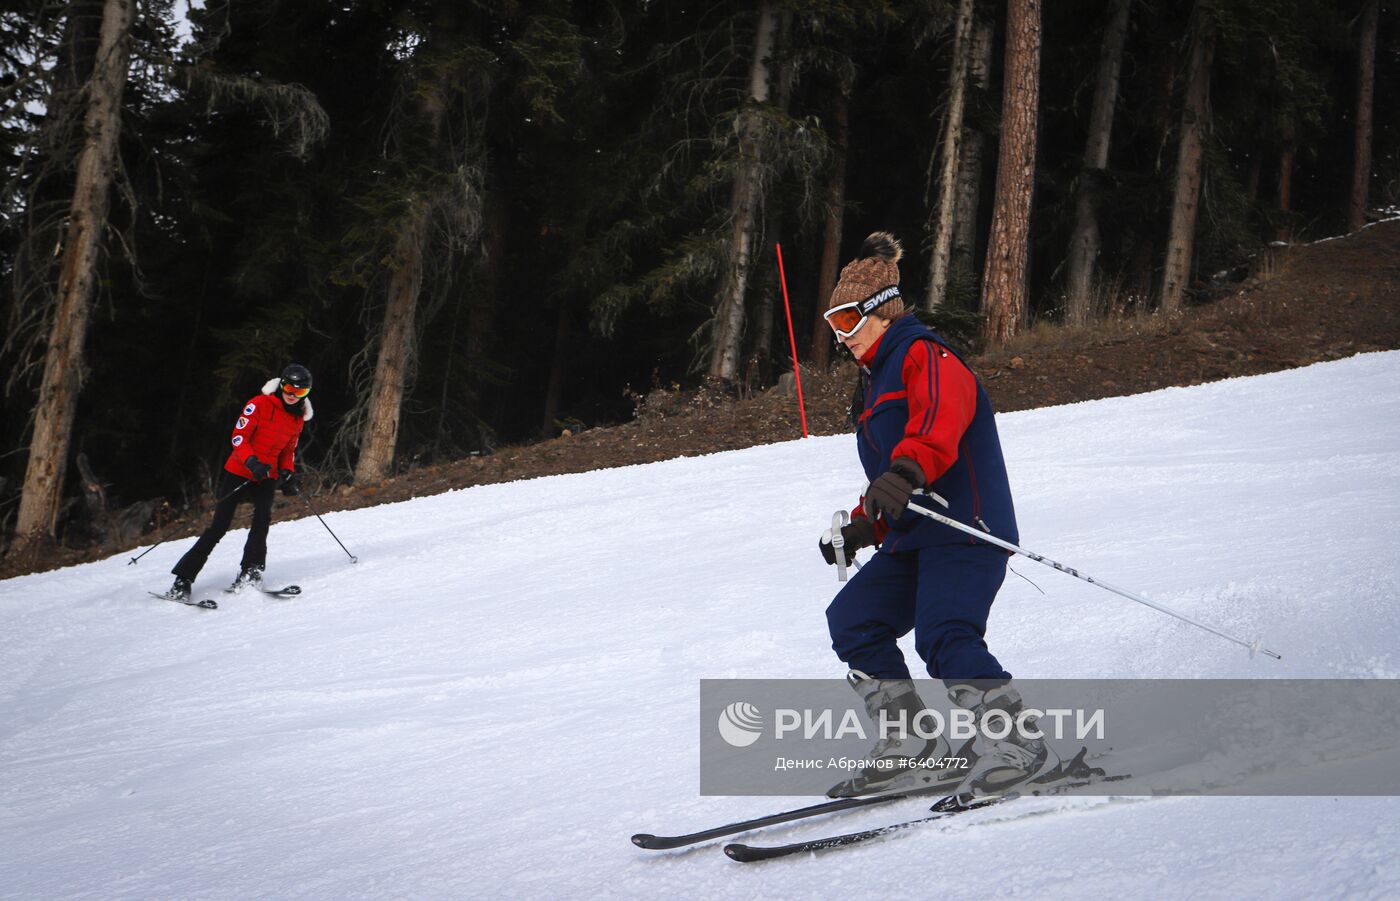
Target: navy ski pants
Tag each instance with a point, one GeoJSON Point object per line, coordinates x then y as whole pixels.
{"type": "Point", "coordinates": [942, 593]}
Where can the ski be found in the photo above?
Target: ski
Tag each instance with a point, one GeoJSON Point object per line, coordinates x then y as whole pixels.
{"type": "Point", "coordinates": [664, 842]}
{"type": "Point", "coordinates": [290, 591]}
{"type": "Point", "coordinates": [948, 806]}
{"type": "Point", "coordinates": [188, 602]}
{"type": "Point", "coordinates": [1077, 767]}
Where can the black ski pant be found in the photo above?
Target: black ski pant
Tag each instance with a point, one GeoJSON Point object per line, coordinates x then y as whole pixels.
{"type": "Point", "coordinates": [231, 495]}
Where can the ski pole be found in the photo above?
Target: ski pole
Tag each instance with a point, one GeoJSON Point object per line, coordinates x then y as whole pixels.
{"type": "Point", "coordinates": [218, 500]}
{"type": "Point", "coordinates": [353, 558]}
{"type": "Point", "coordinates": [838, 542]}
{"type": "Point", "coordinates": [145, 552]}
{"type": "Point", "coordinates": [1254, 647]}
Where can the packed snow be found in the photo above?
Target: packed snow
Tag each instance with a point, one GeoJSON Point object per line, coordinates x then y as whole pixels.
{"type": "Point", "coordinates": [506, 686]}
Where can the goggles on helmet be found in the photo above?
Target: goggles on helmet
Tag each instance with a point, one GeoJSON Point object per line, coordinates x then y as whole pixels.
{"type": "Point", "coordinates": [294, 391]}
{"type": "Point", "coordinates": [845, 320]}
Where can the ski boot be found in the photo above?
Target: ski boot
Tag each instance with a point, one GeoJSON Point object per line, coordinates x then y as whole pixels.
{"type": "Point", "coordinates": [248, 577]}
{"type": "Point", "coordinates": [181, 590]}
{"type": "Point", "coordinates": [901, 759]}
{"type": "Point", "coordinates": [1008, 762]}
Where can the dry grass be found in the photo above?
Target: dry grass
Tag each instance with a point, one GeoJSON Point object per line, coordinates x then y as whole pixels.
{"type": "Point", "coordinates": [1135, 322]}
{"type": "Point", "coordinates": [1271, 264]}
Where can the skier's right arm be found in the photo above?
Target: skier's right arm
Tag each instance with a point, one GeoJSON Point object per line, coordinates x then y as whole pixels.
{"type": "Point", "coordinates": [243, 431]}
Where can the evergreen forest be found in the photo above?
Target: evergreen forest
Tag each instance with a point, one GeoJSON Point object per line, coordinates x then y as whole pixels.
{"type": "Point", "coordinates": [481, 222]}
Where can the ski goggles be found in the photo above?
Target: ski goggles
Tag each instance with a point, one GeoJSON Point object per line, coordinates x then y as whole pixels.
{"type": "Point", "coordinates": [847, 319]}
{"type": "Point", "coordinates": [294, 391]}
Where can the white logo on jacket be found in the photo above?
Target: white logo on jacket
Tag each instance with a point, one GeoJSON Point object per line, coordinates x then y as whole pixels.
{"type": "Point", "coordinates": [250, 409]}
{"type": "Point", "coordinates": [242, 421]}
{"type": "Point", "coordinates": [237, 440]}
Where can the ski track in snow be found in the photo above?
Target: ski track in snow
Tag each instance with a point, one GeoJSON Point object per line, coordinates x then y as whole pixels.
{"type": "Point", "coordinates": [506, 686]}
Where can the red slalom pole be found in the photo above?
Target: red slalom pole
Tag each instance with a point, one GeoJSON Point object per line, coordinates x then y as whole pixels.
{"type": "Point", "coordinates": [792, 341]}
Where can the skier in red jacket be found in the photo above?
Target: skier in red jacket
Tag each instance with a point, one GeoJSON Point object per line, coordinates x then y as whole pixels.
{"type": "Point", "coordinates": [263, 459]}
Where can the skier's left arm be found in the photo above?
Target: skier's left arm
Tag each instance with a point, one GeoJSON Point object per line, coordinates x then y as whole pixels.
{"type": "Point", "coordinates": [286, 461]}
{"type": "Point", "coordinates": [942, 397]}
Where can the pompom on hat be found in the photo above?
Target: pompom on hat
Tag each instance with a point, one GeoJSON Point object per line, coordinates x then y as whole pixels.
{"type": "Point", "coordinates": [875, 268]}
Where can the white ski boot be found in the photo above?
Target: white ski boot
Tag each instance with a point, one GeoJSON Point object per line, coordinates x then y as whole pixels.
{"type": "Point", "coordinates": [901, 759]}
{"type": "Point", "coordinates": [1008, 762]}
{"type": "Point", "coordinates": [248, 577]}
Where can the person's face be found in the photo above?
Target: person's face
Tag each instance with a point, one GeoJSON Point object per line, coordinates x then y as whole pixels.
{"type": "Point", "coordinates": [865, 336]}
{"type": "Point", "coordinates": [289, 396]}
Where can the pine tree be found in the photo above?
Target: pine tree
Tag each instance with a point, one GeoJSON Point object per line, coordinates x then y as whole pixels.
{"type": "Point", "coordinates": [1084, 243]}
{"type": "Point", "coordinates": [1365, 102]}
{"type": "Point", "coordinates": [87, 221]}
{"type": "Point", "coordinates": [1004, 285]}
{"type": "Point", "coordinates": [951, 154]}
{"type": "Point", "coordinates": [1195, 122]}
{"type": "Point", "coordinates": [745, 201]}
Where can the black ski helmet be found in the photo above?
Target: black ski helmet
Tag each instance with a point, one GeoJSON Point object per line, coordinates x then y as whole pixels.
{"type": "Point", "coordinates": [296, 375]}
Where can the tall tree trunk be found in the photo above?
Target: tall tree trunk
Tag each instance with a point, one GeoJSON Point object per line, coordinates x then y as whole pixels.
{"type": "Point", "coordinates": [481, 313]}
{"type": "Point", "coordinates": [1008, 247]}
{"type": "Point", "coordinates": [394, 364]}
{"type": "Point", "coordinates": [1365, 97]}
{"type": "Point", "coordinates": [759, 368]}
{"type": "Point", "coordinates": [484, 309]}
{"type": "Point", "coordinates": [1287, 155]}
{"type": "Point", "coordinates": [963, 261]}
{"type": "Point", "coordinates": [381, 432]}
{"type": "Point", "coordinates": [63, 360]}
{"type": "Point", "coordinates": [831, 229]}
{"type": "Point", "coordinates": [1084, 242]}
{"type": "Point", "coordinates": [558, 366]}
{"type": "Point", "coordinates": [728, 332]}
{"type": "Point", "coordinates": [951, 147]}
{"type": "Point", "coordinates": [448, 377]}
{"type": "Point", "coordinates": [1181, 237]}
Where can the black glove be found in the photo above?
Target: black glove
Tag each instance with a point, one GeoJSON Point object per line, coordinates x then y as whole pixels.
{"type": "Point", "coordinates": [258, 468]}
{"type": "Point", "coordinates": [290, 484]}
{"type": "Point", "coordinates": [857, 535]}
{"type": "Point", "coordinates": [889, 494]}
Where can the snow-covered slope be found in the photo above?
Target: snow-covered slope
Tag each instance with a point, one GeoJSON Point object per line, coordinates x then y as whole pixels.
{"type": "Point", "coordinates": [506, 686]}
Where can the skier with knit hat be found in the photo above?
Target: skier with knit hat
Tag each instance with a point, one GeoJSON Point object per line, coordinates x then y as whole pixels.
{"type": "Point", "coordinates": [262, 459]}
{"type": "Point", "coordinates": [923, 421]}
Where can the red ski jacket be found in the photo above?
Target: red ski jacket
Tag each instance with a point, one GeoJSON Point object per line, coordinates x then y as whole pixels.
{"type": "Point", "coordinates": [922, 402]}
{"type": "Point", "coordinates": [267, 431]}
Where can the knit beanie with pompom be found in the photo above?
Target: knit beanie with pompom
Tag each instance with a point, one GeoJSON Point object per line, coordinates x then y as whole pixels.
{"type": "Point", "coordinates": [874, 270]}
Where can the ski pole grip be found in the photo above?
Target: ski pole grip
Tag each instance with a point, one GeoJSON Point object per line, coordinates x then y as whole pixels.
{"type": "Point", "coordinates": [839, 519]}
